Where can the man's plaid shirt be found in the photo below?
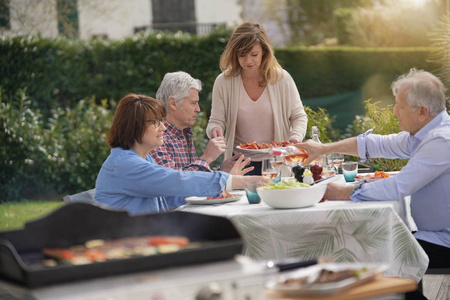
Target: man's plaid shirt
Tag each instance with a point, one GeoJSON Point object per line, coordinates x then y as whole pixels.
{"type": "Point", "coordinates": [178, 151]}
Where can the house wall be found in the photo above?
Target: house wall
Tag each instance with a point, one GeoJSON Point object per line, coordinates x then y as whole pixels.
{"type": "Point", "coordinates": [33, 17]}
{"type": "Point", "coordinates": [218, 11]}
{"type": "Point", "coordinates": [115, 20]}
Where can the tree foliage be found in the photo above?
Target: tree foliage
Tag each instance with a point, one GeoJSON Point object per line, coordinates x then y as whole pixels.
{"type": "Point", "coordinates": [441, 55]}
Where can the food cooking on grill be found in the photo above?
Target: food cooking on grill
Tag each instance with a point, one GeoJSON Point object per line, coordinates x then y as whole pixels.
{"type": "Point", "coordinates": [103, 250]}
{"type": "Point", "coordinates": [255, 146]}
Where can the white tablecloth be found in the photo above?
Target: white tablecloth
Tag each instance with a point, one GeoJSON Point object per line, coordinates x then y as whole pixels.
{"type": "Point", "coordinates": [349, 231]}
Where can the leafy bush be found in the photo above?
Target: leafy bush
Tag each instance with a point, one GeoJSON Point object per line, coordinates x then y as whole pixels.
{"type": "Point", "coordinates": [383, 121]}
{"type": "Point", "coordinates": [20, 152]}
{"type": "Point", "coordinates": [60, 156]}
{"type": "Point", "coordinates": [322, 120]}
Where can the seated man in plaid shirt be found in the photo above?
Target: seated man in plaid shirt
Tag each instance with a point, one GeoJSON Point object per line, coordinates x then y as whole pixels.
{"type": "Point", "coordinates": [179, 93]}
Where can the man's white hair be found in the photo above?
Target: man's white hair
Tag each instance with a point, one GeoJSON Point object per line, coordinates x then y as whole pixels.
{"type": "Point", "coordinates": [177, 85]}
{"type": "Point", "coordinates": [423, 89]}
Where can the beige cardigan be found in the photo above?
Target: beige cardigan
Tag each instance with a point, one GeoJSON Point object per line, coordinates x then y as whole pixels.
{"type": "Point", "coordinates": [290, 119]}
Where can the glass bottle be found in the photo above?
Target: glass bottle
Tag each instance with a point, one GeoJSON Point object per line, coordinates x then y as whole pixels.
{"type": "Point", "coordinates": [290, 153]}
{"type": "Point", "coordinates": [317, 165]}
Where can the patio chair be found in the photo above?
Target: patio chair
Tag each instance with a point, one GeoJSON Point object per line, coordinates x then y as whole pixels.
{"type": "Point", "coordinates": [86, 197]}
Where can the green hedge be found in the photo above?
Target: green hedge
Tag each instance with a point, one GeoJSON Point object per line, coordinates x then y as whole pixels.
{"type": "Point", "coordinates": [63, 71]}
{"type": "Point", "coordinates": [328, 71]}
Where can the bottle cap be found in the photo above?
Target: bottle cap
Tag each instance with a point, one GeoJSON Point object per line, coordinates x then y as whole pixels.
{"type": "Point", "coordinates": [277, 152]}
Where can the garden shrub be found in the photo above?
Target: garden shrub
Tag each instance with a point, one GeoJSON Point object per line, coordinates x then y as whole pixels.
{"type": "Point", "coordinates": [383, 121]}
{"type": "Point", "coordinates": [61, 155]}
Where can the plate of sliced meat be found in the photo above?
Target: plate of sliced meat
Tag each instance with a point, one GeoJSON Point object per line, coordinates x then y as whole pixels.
{"type": "Point", "coordinates": [325, 279]}
{"type": "Point", "coordinates": [225, 198]}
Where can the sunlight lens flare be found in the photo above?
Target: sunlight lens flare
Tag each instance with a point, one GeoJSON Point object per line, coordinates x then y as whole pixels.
{"type": "Point", "coordinates": [417, 2]}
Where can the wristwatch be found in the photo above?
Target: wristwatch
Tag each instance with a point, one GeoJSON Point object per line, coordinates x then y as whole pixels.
{"type": "Point", "coordinates": [358, 186]}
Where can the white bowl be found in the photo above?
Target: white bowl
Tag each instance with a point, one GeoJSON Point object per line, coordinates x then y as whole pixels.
{"type": "Point", "coordinates": [292, 198]}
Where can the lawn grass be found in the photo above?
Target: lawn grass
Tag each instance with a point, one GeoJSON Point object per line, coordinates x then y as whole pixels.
{"type": "Point", "coordinates": [14, 215]}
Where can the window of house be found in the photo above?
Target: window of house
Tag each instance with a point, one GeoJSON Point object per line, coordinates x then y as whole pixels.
{"type": "Point", "coordinates": [174, 15]}
{"type": "Point", "coordinates": [68, 18]}
{"type": "Point", "coordinates": [4, 14]}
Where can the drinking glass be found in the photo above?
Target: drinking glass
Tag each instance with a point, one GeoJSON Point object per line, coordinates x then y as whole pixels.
{"type": "Point", "coordinates": [338, 159]}
{"type": "Point", "coordinates": [350, 170]}
{"type": "Point", "coordinates": [328, 170]}
{"type": "Point", "coordinates": [269, 168]}
{"type": "Point", "coordinates": [252, 194]}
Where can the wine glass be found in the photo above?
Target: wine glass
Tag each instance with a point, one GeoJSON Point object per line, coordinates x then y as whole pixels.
{"type": "Point", "coordinates": [329, 170]}
{"type": "Point", "coordinates": [338, 159]}
{"type": "Point", "coordinates": [269, 168]}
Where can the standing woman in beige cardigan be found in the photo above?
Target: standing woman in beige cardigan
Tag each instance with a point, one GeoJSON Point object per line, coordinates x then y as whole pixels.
{"type": "Point", "coordinates": [254, 99]}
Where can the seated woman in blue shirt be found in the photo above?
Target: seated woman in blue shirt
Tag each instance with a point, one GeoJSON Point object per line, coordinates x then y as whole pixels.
{"type": "Point", "coordinates": [130, 179]}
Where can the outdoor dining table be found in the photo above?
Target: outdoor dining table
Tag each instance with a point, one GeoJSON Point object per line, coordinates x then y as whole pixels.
{"type": "Point", "coordinates": [369, 231]}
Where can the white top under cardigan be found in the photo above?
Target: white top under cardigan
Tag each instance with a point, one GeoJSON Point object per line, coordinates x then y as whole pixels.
{"type": "Point", "coordinates": [290, 119]}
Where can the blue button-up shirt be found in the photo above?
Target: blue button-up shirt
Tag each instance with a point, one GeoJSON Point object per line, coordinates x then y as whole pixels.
{"type": "Point", "coordinates": [426, 176]}
{"type": "Point", "coordinates": [128, 181]}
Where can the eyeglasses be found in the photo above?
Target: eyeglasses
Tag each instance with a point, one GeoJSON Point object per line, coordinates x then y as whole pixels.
{"type": "Point", "coordinates": [157, 122]}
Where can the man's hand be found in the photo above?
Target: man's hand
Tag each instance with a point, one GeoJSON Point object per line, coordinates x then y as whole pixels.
{"type": "Point", "coordinates": [216, 132]}
{"type": "Point", "coordinates": [313, 148]}
{"type": "Point", "coordinates": [215, 147]}
{"type": "Point", "coordinates": [228, 163]}
{"type": "Point", "coordinates": [239, 166]}
{"type": "Point", "coordinates": [238, 181]}
{"type": "Point", "coordinates": [337, 191]}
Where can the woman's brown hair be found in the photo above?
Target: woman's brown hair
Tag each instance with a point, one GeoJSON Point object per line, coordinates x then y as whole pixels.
{"type": "Point", "coordinates": [242, 41]}
{"type": "Point", "coordinates": [131, 119]}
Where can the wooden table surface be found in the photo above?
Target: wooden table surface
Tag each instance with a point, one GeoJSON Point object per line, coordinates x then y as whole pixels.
{"type": "Point", "coordinates": [381, 286]}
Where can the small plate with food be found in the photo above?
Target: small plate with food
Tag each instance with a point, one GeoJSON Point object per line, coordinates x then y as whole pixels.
{"type": "Point", "coordinates": [325, 279]}
{"type": "Point", "coordinates": [225, 198]}
{"type": "Point", "coordinates": [262, 147]}
{"type": "Point", "coordinates": [378, 175]}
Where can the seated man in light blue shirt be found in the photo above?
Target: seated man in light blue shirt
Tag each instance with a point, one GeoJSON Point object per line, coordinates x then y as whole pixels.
{"type": "Point", "coordinates": [425, 140]}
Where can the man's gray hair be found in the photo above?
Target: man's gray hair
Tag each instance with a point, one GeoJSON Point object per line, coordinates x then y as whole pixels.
{"type": "Point", "coordinates": [423, 89]}
{"type": "Point", "coordinates": [177, 85]}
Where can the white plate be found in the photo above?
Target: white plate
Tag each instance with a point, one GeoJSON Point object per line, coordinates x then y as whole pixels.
{"type": "Point", "coordinates": [316, 289]}
{"type": "Point", "coordinates": [374, 179]}
{"type": "Point", "coordinates": [204, 201]}
{"type": "Point", "coordinates": [368, 180]}
{"type": "Point", "coordinates": [253, 150]}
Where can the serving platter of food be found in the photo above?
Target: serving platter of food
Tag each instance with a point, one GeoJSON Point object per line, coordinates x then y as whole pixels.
{"type": "Point", "coordinates": [262, 147]}
{"type": "Point", "coordinates": [378, 175]}
{"type": "Point", "coordinates": [325, 279]}
{"type": "Point", "coordinates": [226, 197]}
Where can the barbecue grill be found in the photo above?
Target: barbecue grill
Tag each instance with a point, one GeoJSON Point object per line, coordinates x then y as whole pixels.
{"type": "Point", "coordinates": [21, 253]}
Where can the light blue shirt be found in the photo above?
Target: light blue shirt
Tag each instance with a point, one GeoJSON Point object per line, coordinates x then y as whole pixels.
{"type": "Point", "coordinates": [128, 181]}
{"type": "Point", "coordinates": [426, 176]}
